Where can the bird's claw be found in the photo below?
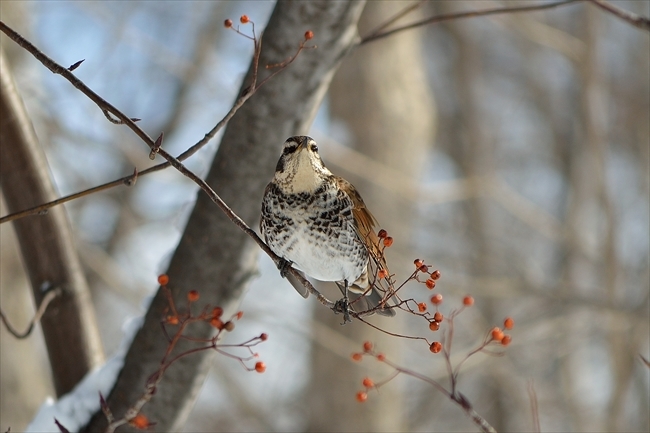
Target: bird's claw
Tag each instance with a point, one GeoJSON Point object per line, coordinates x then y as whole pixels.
{"type": "Point", "coordinates": [283, 267]}
{"type": "Point", "coordinates": [343, 306]}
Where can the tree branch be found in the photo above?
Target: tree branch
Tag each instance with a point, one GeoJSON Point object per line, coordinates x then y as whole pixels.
{"type": "Point", "coordinates": [374, 36]}
{"type": "Point", "coordinates": [632, 18]}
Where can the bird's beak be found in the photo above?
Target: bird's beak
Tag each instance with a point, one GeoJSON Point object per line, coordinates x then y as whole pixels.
{"type": "Point", "coordinates": [302, 145]}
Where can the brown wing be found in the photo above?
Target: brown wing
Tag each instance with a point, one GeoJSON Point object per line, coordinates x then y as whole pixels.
{"type": "Point", "coordinates": [365, 221]}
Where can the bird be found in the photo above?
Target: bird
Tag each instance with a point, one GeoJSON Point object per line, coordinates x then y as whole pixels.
{"type": "Point", "coordinates": [318, 224]}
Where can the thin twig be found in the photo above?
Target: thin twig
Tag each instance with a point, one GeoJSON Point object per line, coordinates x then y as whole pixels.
{"type": "Point", "coordinates": [534, 409]}
{"type": "Point", "coordinates": [455, 396]}
{"type": "Point", "coordinates": [460, 15]}
{"type": "Point", "coordinates": [407, 10]}
{"type": "Point", "coordinates": [632, 18]}
{"type": "Point", "coordinates": [49, 297]}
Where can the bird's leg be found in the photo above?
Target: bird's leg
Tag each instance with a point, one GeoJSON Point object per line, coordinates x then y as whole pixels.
{"type": "Point", "coordinates": [343, 305]}
{"type": "Point", "coordinates": [283, 266]}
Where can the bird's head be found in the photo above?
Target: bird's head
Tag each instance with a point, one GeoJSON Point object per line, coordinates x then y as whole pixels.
{"type": "Point", "coordinates": [300, 168]}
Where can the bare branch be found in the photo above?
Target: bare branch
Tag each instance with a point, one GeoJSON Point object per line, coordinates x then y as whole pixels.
{"type": "Point", "coordinates": [49, 297]}
{"type": "Point", "coordinates": [468, 14]}
{"type": "Point", "coordinates": [632, 18]}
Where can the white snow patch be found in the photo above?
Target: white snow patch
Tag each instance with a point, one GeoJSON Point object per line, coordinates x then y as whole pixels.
{"type": "Point", "coordinates": [74, 409]}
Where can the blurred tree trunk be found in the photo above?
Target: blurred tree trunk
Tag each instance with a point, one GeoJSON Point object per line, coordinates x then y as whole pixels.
{"type": "Point", "coordinates": [381, 95]}
{"type": "Point", "coordinates": [49, 253]}
{"type": "Point", "coordinates": [214, 256]}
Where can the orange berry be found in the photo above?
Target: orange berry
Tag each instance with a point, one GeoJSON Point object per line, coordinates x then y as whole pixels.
{"type": "Point", "coordinates": [509, 323]}
{"type": "Point", "coordinates": [140, 422]}
{"type": "Point", "coordinates": [309, 35]}
{"type": "Point", "coordinates": [217, 312]}
{"type": "Point", "coordinates": [438, 317]}
{"type": "Point", "coordinates": [430, 284]}
{"type": "Point", "coordinates": [422, 307]}
{"type": "Point", "coordinates": [382, 234]}
{"type": "Point", "coordinates": [434, 326]}
{"type": "Point", "coordinates": [435, 274]}
{"type": "Point", "coordinates": [435, 347]}
{"type": "Point", "coordinates": [367, 346]}
{"type": "Point", "coordinates": [424, 268]}
{"type": "Point", "coordinates": [497, 334]}
{"type": "Point", "coordinates": [357, 356]}
{"type": "Point", "coordinates": [436, 299]}
{"type": "Point", "coordinates": [368, 383]}
{"type": "Point", "coordinates": [260, 367]}
{"type": "Point", "coordinates": [229, 326]}
{"type": "Point", "coordinates": [468, 301]}
{"type": "Point", "coordinates": [193, 296]}
{"type": "Point", "coordinates": [362, 396]}
{"type": "Point", "coordinates": [172, 320]}
{"type": "Point", "coordinates": [506, 340]}
{"type": "Point", "coordinates": [228, 23]}
{"type": "Point", "coordinates": [244, 19]}
{"type": "Point", "coordinates": [417, 263]}
{"type": "Point", "coordinates": [163, 279]}
{"type": "Point", "coordinates": [388, 242]}
{"type": "Point", "coordinates": [383, 273]}
{"type": "Point", "coordinates": [239, 315]}
{"type": "Point", "coordinates": [381, 357]}
{"type": "Point", "coordinates": [264, 336]}
{"type": "Point", "coordinates": [217, 323]}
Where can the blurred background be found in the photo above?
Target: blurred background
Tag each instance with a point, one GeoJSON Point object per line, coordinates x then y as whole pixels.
{"type": "Point", "coordinates": [510, 152]}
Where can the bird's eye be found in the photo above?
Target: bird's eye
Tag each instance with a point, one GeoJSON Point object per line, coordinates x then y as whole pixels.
{"type": "Point", "coordinates": [314, 148]}
{"type": "Point", "coordinates": [289, 149]}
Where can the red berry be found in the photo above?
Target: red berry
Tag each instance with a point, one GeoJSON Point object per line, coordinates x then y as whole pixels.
{"type": "Point", "coordinates": [217, 323]}
{"type": "Point", "coordinates": [434, 326]}
{"type": "Point", "coordinates": [362, 396]}
{"type": "Point", "coordinates": [430, 284]}
{"type": "Point", "coordinates": [417, 263]}
{"type": "Point", "coordinates": [239, 315]}
{"type": "Point", "coordinates": [497, 334]}
{"type": "Point", "coordinates": [438, 317]}
{"type": "Point", "coordinates": [435, 274]}
{"type": "Point", "coordinates": [264, 336]}
{"type": "Point", "coordinates": [368, 383]}
{"type": "Point", "coordinates": [309, 35]}
{"type": "Point", "coordinates": [140, 422]}
{"type": "Point", "coordinates": [422, 307]}
{"type": "Point", "coordinates": [217, 312]}
{"type": "Point", "coordinates": [506, 340]}
{"type": "Point", "coordinates": [388, 241]}
{"type": "Point", "coordinates": [193, 296]}
{"type": "Point", "coordinates": [357, 356]}
{"type": "Point", "coordinates": [260, 367]}
{"type": "Point", "coordinates": [163, 279]}
{"type": "Point", "coordinates": [381, 357]}
{"type": "Point", "coordinates": [509, 323]}
{"type": "Point", "coordinates": [424, 268]}
{"type": "Point", "coordinates": [382, 234]}
{"type": "Point", "coordinates": [435, 347]}
{"type": "Point", "coordinates": [383, 273]}
{"type": "Point", "coordinates": [244, 19]}
{"type": "Point", "coordinates": [172, 320]}
{"type": "Point", "coordinates": [436, 299]}
{"type": "Point", "coordinates": [228, 23]}
{"type": "Point", "coordinates": [468, 301]}
{"type": "Point", "coordinates": [367, 346]}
